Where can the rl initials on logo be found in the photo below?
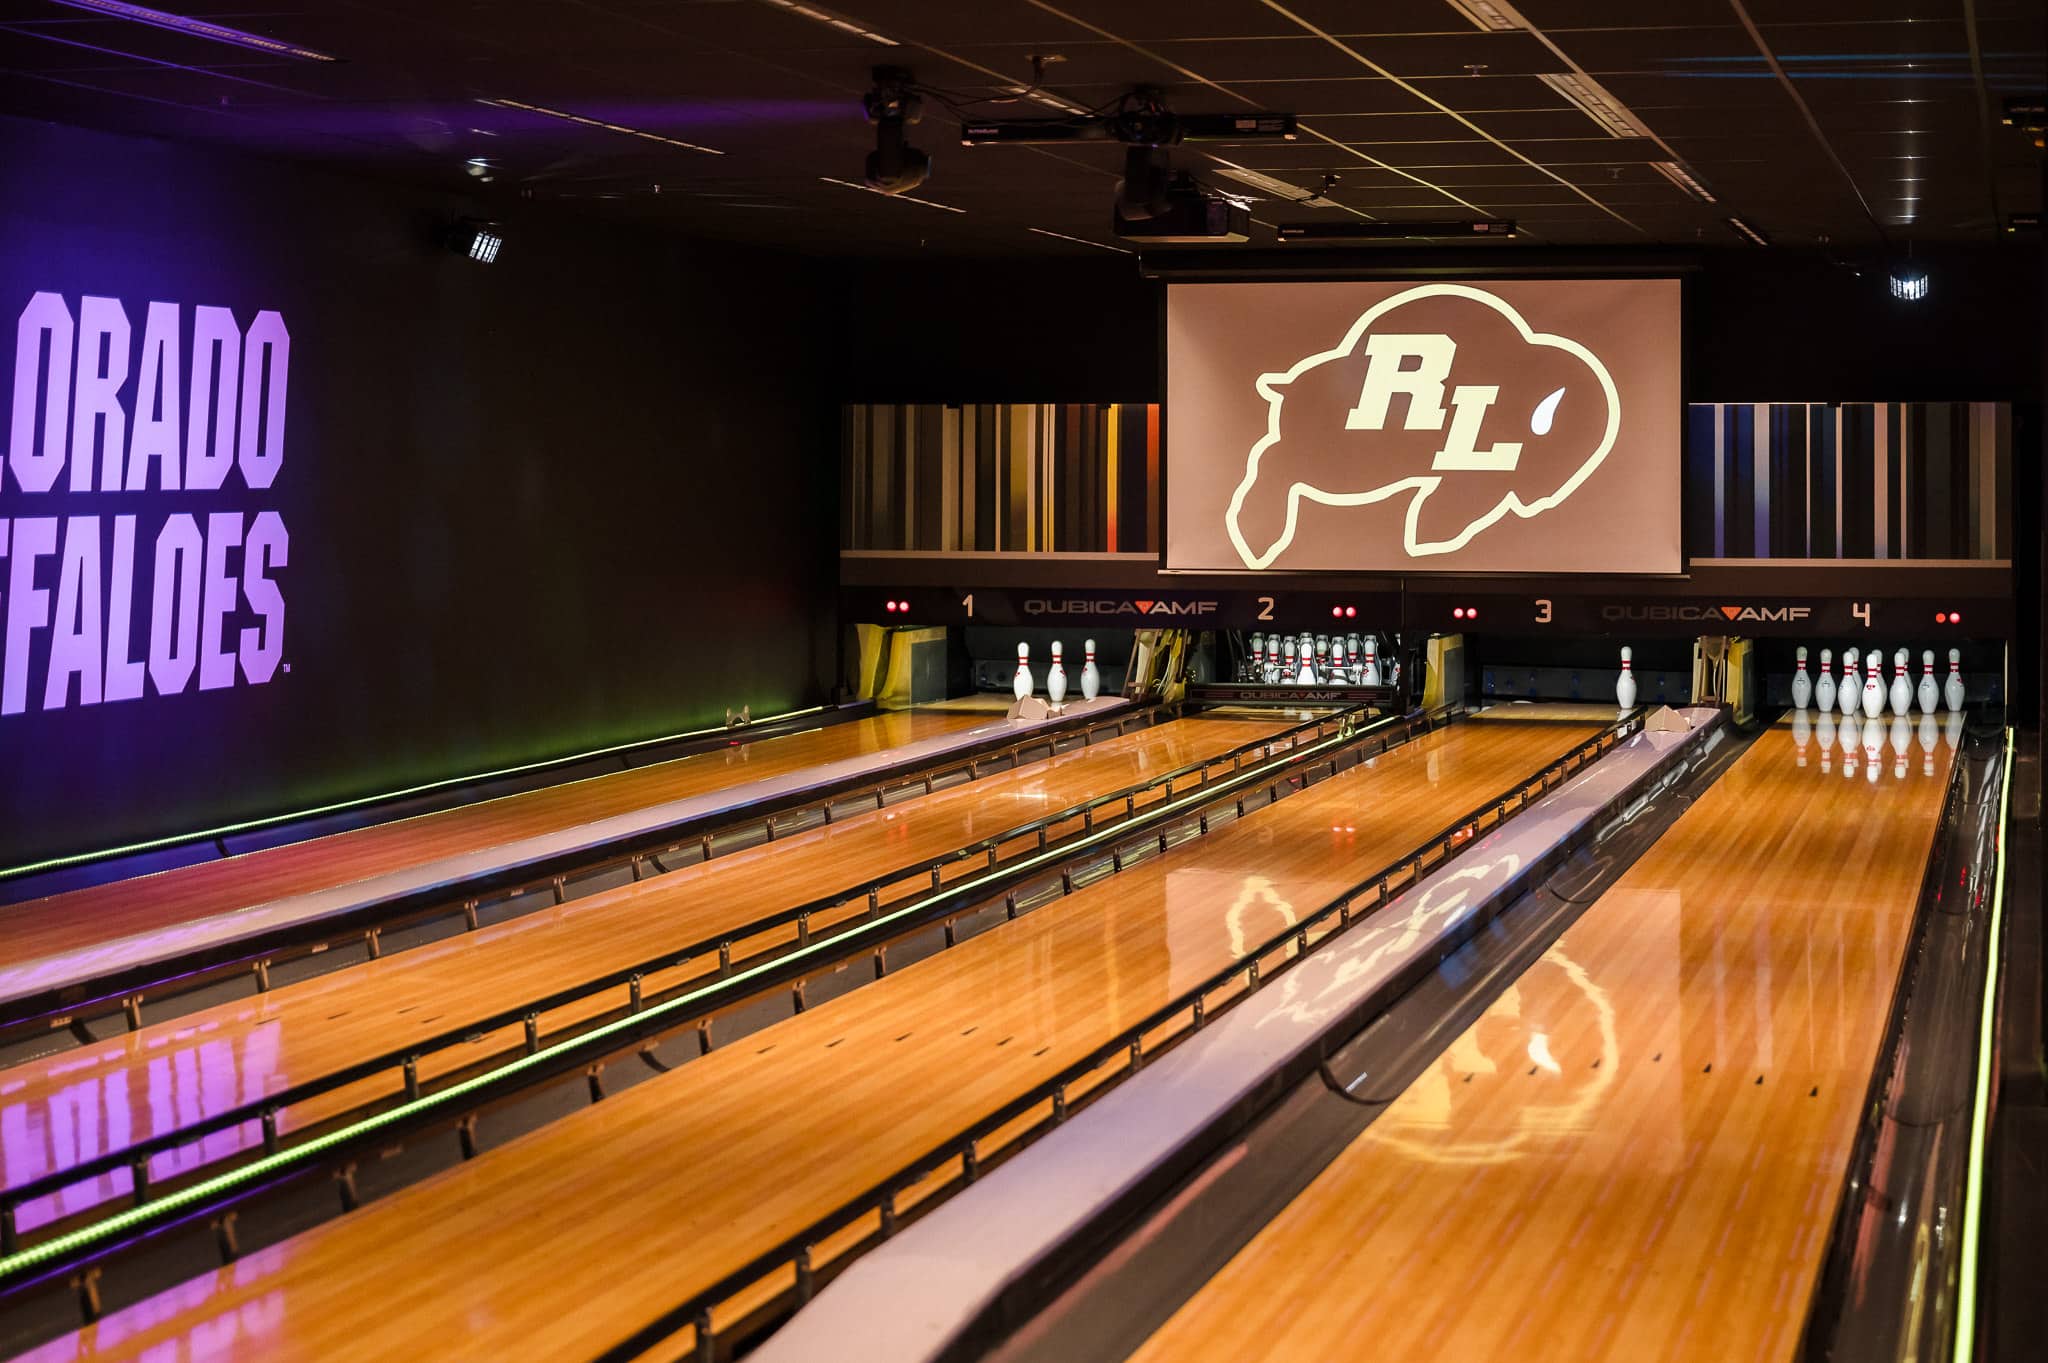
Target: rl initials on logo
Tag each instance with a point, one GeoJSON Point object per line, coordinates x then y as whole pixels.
{"type": "Point", "coordinates": [1387, 372]}
{"type": "Point", "coordinates": [1538, 418]}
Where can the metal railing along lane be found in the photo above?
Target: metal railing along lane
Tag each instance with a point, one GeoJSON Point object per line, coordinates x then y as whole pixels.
{"type": "Point", "coordinates": [875, 1214]}
{"type": "Point", "coordinates": [1897, 1279]}
{"type": "Point", "coordinates": [1114, 829]}
{"type": "Point", "coordinates": [187, 981]}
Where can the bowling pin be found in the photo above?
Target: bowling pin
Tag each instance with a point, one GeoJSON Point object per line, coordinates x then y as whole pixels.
{"type": "Point", "coordinates": [1307, 676]}
{"type": "Point", "coordinates": [1802, 688]}
{"type": "Point", "coordinates": [1930, 693]}
{"type": "Point", "coordinates": [1625, 684]}
{"type": "Point", "coordinates": [1802, 734]}
{"type": "Point", "coordinates": [1372, 663]}
{"type": "Point", "coordinates": [1850, 695]}
{"type": "Point", "coordinates": [1288, 671]}
{"type": "Point", "coordinates": [1902, 690]}
{"type": "Point", "coordinates": [1258, 644]}
{"type": "Point", "coordinates": [1021, 687]}
{"type": "Point", "coordinates": [1340, 675]}
{"type": "Point", "coordinates": [1056, 678]}
{"type": "Point", "coordinates": [1952, 689]}
{"type": "Point", "coordinates": [1824, 688]}
{"type": "Point", "coordinates": [1824, 735]}
{"type": "Point", "coordinates": [1873, 684]}
{"type": "Point", "coordinates": [1091, 680]}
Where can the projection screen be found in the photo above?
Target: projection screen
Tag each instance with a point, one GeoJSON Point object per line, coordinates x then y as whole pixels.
{"type": "Point", "coordinates": [1524, 427]}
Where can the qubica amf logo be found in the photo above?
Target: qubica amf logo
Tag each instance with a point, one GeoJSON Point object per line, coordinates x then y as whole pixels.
{"type": "Point", "coordinates": [123, 571]}
{"type": "Point", "coordinates": [1443, 393]}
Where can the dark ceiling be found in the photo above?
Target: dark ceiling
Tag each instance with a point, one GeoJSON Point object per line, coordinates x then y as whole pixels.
{"type": "Point", "coordinates": [1808, 118]}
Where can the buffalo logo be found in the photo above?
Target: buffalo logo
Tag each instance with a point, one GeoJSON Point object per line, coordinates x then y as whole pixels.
{"type": "Point", "coordinates": [1541, 418]}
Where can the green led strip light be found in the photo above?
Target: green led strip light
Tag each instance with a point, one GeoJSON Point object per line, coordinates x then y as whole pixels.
{"type": "Point", "coordinates": [283, 1159]}
{"type": "Point", "coordinates": [227, 830]}
{"type": "Point", "coordinates": [1973, 1196]}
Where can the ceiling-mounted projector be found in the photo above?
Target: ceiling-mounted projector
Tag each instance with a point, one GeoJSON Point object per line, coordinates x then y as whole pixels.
{"type": "Point", "coordinates": [1183, 212]}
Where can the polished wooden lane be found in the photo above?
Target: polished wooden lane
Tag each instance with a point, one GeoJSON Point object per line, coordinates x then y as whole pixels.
{"type": "Point", "coordinates": [88, 917]}
{"type": "Point", "coordinates": [1636, 1152]}
{"type": "Point", "coordinates": [561, 1242]}
{"type": "Point", "coordinates": [69, 1107]}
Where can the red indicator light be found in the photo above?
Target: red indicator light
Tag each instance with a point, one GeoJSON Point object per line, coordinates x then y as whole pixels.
{"type": "Point", "coordinates": [1955, 617]}
{"type": "Point", "coordinates": [889, 606]}
{"type": "Point", "coordinates": [1941, 617]}
{"type": "Point", "coordinates": [1457, 612]}
{"type": "Point", "coordinates": [1336, 612]}
{"type": "Point", "coordinates": [1351, 612]}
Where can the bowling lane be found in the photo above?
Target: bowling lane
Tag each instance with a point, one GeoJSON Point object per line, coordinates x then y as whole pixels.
{"type": "Point", "coordinates": [66, 1108]}
{"type": "Point", "coordinates": [1637, 1150]}
{"type": "Point", "coordinates": [661, 1190]}
{"type": "Point", "coordinates": [84, 918]}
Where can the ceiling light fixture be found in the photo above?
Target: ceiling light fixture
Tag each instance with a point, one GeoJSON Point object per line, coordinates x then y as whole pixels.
{"type": "Point", "coordinates": [1753, 235]}
{"type": "Point", "coordinates": [1909, 283]}
{"type": "Point", "coordinates": [831, 20]}
{"type": "Point", "coordinates": [567, 117]}
{"type": "Point", "coordinates": [900, 198]}
{"type": "Point", "coordinates": [1279, 189]}
{"type": "Point", "coordinates": [1455, 229]}
{"type": "Point", "coordinates": [1098, 245]}
{"type": "Point", "coordinates": [1489, 15]}
{"type": "Point", "coordinates": [1678, 175]}
{"type": "Point", "coordinates": [197, 28]}
{"type": "Point", "coordinates": [479, 240]}
{"type": "Point", "coordinates": [1598, 105]}
{"type": "Point", "coordinates": [1052, 101]}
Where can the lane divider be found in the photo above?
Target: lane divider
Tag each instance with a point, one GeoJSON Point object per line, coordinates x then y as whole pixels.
{"type": "Point", "coordinates": [558, 1056]}
{"type": "Point", "coordinates": [1980, 1114]}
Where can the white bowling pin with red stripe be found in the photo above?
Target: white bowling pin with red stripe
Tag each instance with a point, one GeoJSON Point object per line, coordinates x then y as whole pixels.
{"type": "Point", "coordinates": [1873, 684]}
{"type": "Point", "coordinates": [1802, 685]}
{"type": "Point", "coordinates": [1930, 690]}
{"type": "Point", "coordinates": [1021, 686]}
{"type": "Point", "coordinates": [1056, 678]}
{"type": "Point", "coordinates": [1091, 680]}
{"type": "Point", "coordinates": [1824, 688]}
{"type": "Point", "coordinates": [1625, 684]}
{"type": "Point", "coordinates": [1952, 689]}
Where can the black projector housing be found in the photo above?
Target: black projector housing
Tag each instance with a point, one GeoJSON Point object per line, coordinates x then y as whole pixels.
{"type": "Point", "coordinates": [1189, 218]}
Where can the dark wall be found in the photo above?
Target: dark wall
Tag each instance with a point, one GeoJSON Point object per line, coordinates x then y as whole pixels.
{"type": "Point", "coordinates": [581, 496]}
{"type": "Point", "coordinates": [1067, 330]}
{"type": "Point", "coordinates": [1761, 326]}
{"type": "Point", "coordinates": [1797, 326]}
